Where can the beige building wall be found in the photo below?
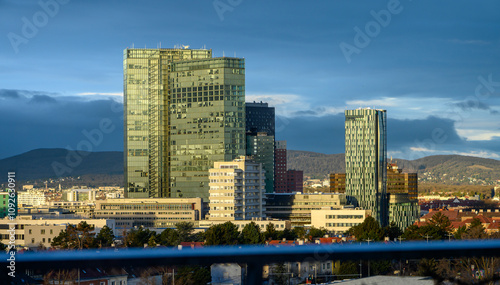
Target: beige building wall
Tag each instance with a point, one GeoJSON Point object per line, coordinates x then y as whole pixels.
{"type": "Point", "coordinates": [237, 190]}
{"type": "Point", "coordinates": [149, 212]}
{"type": "Point", "coordinates": [262, 224]}
{"type": "Point", "coordinates": [338, 220]}
{"type": "Point", "coordinates": [31, 233]}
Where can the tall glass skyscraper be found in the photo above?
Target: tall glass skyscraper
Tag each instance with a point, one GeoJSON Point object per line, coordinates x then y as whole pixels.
{"type": "Point", "coordinates": [366, 161]}
{"type": "Point", "coordinates": [183, 110]}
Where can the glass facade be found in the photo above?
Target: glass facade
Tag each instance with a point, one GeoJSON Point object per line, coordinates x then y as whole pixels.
{"type": "Point", "coordinates": [260, 118]}
{"type": "Point", "coordinates": [207, 120]}
{"type": "Point", "coordinates": [146, 118]}
{"type": "Point", "coordinates": [261, 148]}
{"type": "Point", "coordinates": [366, 160]}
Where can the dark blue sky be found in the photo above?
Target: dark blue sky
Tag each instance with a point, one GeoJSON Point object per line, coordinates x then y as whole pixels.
{"type": "Point", "coordinates": [433, 66]}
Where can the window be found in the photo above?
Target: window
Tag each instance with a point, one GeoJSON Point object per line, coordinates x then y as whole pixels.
{"type": "Point", "coordinates": [30, 231]}
{"type": "Point", "coordinates": [42, 232]}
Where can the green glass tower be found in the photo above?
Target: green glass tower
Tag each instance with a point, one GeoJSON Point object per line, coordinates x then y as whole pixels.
{"type": "Point", "coordinates": [183, 110]}
{"type": "Point", "coordinates": [261, 147]}
{"type": "Point", "coordinates": [207, 120]}
{"type": "Point", "coordinates": [366, 160]}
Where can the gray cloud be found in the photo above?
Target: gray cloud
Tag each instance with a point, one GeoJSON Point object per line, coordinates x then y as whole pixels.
{"type": "Point", "coordinates": [41, 99]}
{"type": "Point", "coordinates": [472, 105]}
{"type": "Point", "coordinates": [34, 121]}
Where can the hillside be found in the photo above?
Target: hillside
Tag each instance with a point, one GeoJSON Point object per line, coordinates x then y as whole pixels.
{"type": "Point", "coordinates": [107, 167]}
{"type": "Point", "coordinates": [54, 163]}
{"type": "Point", "coordinates": [447, 169]}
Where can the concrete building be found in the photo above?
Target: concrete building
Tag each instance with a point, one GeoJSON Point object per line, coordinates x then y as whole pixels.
{"type": "Point", "coordinates": [260, 146]}
{"type": "Point", "coordinates": [237, 190]}
{"type": "Point", "coordinates": [75, 195]}
{"type": "Point", "coordinates": [295, 181]}
{"type": "Point", "coordinates": [183, 111]}
{"type": "Point", "coordinates": [31, 198]}
{"type": "Point", "coordinates": [35, 232]}
{"type": "Point", "coordinates": [240, 224]}
{"type": "Point", "coordinates": [403, 210]}
{"type": "Point", "coordinates": [280, 167]}
{"type": "Point", "coordinates": [297, 207]}
{"type": "Point", "coordinates": [399, 182]}
{"type": "Point", "coordinates": [227, 273]}
{"type": "Point", "coordinates": [337, 182]}
{"type": "Point", "coordinates": [151, 213]}
{"type": "Point", "coordinates": [260, 118]}
{"type": "Point", "coordinates": [366, 161]}
{"type": "Point", "coordinates": [338, 220]}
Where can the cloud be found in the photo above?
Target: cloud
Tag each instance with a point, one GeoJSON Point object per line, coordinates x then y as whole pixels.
{"type": "Point", "coordinates": [42, 99]}
{"type": "Point", "coordinates": [44, 120]}
{"type": "Point", "coordinates": [471, 105]}
{"type": "Point", "coordinates": [9, 94]}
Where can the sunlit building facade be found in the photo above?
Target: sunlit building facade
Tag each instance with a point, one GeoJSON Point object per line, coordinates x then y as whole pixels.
{"type": "Point", "coordinates": [366, 161]}
{"type": "Point", "coordinates": [183, 111]}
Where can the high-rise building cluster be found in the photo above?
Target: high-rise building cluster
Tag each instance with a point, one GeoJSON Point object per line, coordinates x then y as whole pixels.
{"type": "Point", "coordinates": [190, 134]}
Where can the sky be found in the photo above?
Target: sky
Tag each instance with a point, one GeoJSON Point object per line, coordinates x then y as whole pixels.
{"type": "Point", "coordinates": [434, 66]}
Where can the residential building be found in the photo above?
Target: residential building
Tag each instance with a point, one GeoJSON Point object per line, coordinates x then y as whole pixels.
{"type": "Point", "coordinates": [280, 167]}
{"type": "Point", "coordinates": [35, 232]}
{"type": "Point", "coordinates": [240, 224]}
{"type": "Point", "coordinates": [297, 207]}
{"type": "Point", "coordinates": [337, 182]}
{"type": "Point", "coordinates": [31, 198]}
{"type": "Point", "coordinates": [260, 146]}
{"type": "Point", "coordinates": [338, 220]}
{"type": "Point", "coordinates": [4, 204]}
{"type": "Point", "coordinates": [227, 273]}
{"type": "Point", "coordinates": [75, 195]}
{"type": "Point", "coordinates": [295, 181]}
{"type": "Point", "coordinates": [366, 161]}
{"type": "Point", "coordinates": [237, 190]}
{"type": "Point", "coordinates": [151, 213]}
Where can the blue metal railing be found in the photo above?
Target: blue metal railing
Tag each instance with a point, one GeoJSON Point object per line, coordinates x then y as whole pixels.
{"type": "Point", "coordinates": [254, 256]}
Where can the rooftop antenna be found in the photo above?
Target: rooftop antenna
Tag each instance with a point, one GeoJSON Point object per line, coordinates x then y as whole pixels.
{"type": "Point", "coordinates": [234, 54]}
{"type": "Point", "coordinates": [223, 55]}
{"type": "Point", "coordinates": [132, 45]}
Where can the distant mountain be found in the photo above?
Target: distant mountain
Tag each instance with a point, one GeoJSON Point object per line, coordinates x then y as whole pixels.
{"type": "Point", "coordinates": [448, 169]}
{"type": "Point", "coordinates": [54, 163]}
{"type": "Point", "coordinates": [97, 167]}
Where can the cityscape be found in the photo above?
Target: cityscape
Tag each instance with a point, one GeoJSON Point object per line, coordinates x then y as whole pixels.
{"type": "Point", "coordinates": [203, 166]}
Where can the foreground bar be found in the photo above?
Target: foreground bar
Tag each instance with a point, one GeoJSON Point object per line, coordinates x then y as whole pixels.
{"type": "Point", "coordinates": [254, 256]}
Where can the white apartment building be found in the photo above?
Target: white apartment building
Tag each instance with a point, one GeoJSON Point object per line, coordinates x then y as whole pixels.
{"type": "Point", "coordinates": [237, 190]}
{"type": "Point", "coordinates": [31, 198]}
{"type": "Point", "coordinates": [338, 220]}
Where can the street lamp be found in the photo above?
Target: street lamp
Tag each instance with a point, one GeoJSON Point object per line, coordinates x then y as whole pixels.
{"type": "Point", "coordinates": [80, 248]}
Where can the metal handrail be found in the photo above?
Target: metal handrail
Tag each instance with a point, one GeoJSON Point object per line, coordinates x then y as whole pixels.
{"type": "Point", "coordinates": [255, 256]}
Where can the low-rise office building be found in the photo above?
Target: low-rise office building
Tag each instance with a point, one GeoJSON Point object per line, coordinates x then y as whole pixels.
{"type": "Point", "coordinates": [279, 225]}
{"type": "Point", "coordinates": [338, 220]}
{"type": "Point", "coordinates": [33, 233]}
{"type": "Point", "coordinates": [150, 213]}
{"type": "Point", "coordinates": [297, 207]}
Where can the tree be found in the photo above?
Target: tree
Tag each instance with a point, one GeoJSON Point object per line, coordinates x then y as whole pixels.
{"type": "Point", "coordinates": [152, 241]}
{"type": "Point", "coordinates": [138, 237]}
{"type": "Point", "coordinates": [347, 269]}
{"type": "Point", "coordinates": [299, 232]}
{"type": "Point", "coordinates": [442, 222]}
{"type": "Point", "coordinates": [316, 233]}
{"type": "Point", "coordinates": [192, 275]}
{"type": "Point", "coordinates": [287, 234]}
{"type": "Point", "coordinates": [279, 277]}
{"type": "Point", "coordinates": [475, 230]}
{"type": "Point", "coordinates": [169, 237]}
{"type": "Point", "coordinates": [105, 237]}
{"type": "Point", "coordinates": [251, 234]}
{"type": "Point", "coordinates": [222, 234]}
{"type": "Point", "coordinates": [392, 231]}
{"type": "Point", "coordinates": [75, 237]}
{"type": "Point", "coordinates": [184, 230]}
{"type": "Point", "coordinates": [270, 233]}
{"type": "Point", "coordinates": [369, 229]}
